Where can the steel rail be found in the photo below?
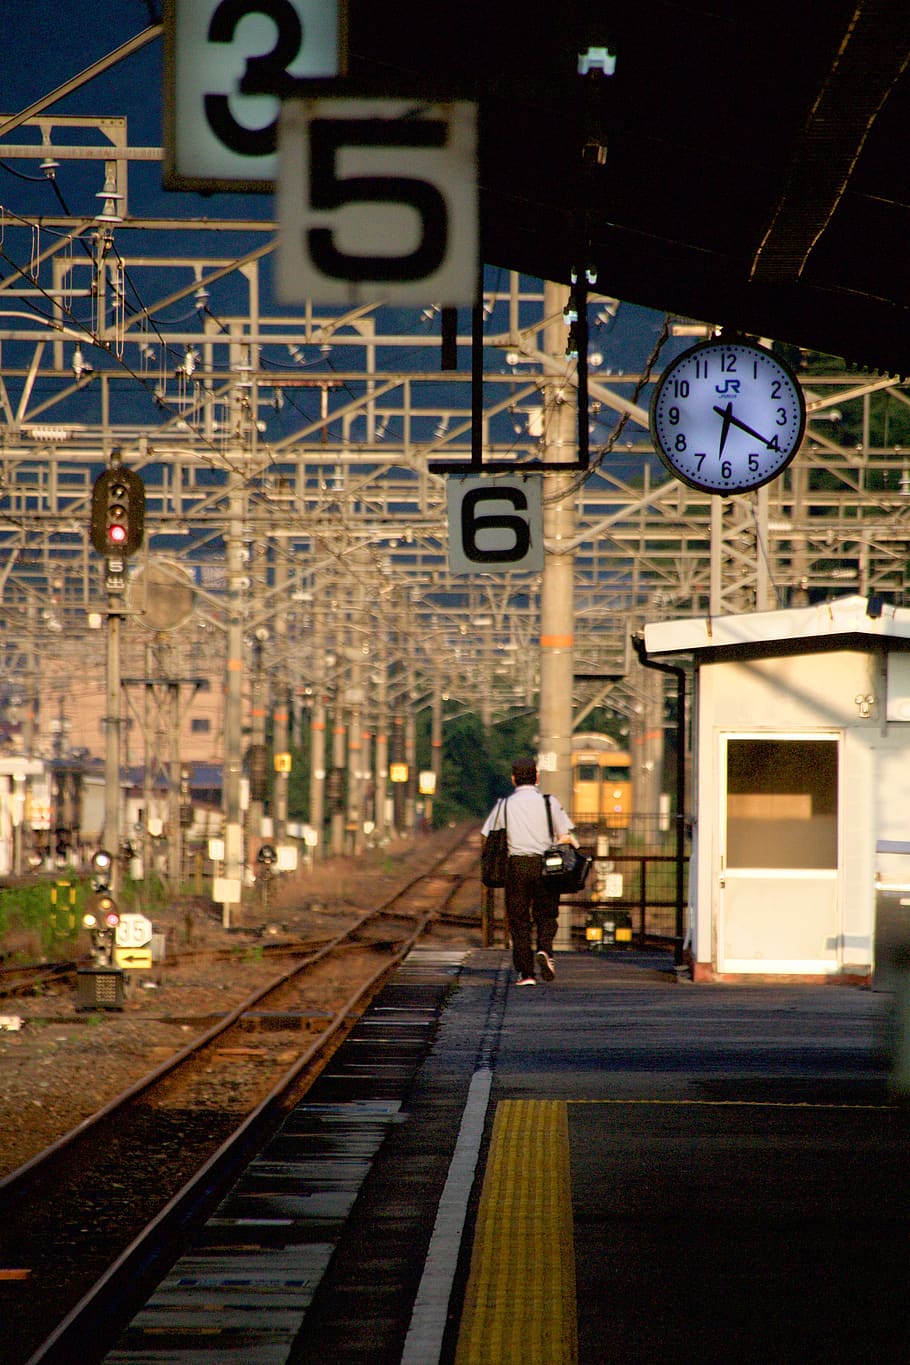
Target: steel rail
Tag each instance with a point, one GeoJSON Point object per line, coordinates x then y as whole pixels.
{"type": "Point", "coordinates": [203, 1040]}
{"type": "Point", "coordinates": [120, 1290]}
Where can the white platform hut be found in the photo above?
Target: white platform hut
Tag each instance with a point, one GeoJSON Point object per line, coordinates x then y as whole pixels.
{"type": "Point", "coordinates": [801, 786]}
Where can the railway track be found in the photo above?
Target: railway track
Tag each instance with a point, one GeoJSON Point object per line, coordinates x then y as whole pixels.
{"type": "Point", "coordinates": [92, 1218]}
{"type": "Point", "coordinates": [31, 977]}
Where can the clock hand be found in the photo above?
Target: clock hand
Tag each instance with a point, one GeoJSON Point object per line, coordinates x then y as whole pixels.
{"type": "Point", "coordinates": [727, 414]}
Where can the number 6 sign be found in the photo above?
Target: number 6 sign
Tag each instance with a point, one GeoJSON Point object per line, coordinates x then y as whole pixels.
{"type": "Point", "coordinates": [495, 524]}
{"type": "Point", "coordinates": [377, 199]}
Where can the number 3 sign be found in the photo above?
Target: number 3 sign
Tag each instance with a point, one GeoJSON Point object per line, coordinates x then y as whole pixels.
{"type": "Point", "coordinates": [217, 138]}
{"type": "Point", "coordinates": [377, 198]}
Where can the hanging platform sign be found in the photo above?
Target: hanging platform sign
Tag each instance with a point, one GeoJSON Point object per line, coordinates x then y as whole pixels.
{"type": "Point", "coordinates": [495, 524]}
{"type": "Point", "coordinates": [377, 199]}
{"type": "Point", "coordinates": [217, 137]}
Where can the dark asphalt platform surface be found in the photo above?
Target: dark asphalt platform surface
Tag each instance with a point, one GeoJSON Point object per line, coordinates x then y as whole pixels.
{"type": "Point", "coordinates": [740, 1176]}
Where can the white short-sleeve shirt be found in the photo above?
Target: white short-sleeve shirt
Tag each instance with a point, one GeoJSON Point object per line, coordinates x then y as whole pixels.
{"type": "Point", "coordinates": [526, 820]}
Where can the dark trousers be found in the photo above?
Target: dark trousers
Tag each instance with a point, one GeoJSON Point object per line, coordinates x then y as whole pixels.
{"type": "Point", "coordinates": [529, 897]}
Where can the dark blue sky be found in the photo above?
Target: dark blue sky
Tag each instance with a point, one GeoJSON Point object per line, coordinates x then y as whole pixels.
{"type": "Point", "coordinates": [49, 42]}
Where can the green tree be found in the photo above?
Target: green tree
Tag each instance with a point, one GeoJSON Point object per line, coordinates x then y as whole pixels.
{"type": "Point", "coordinates": [475, 763]}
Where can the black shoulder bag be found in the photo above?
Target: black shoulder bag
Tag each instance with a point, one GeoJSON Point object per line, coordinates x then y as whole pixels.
{"type": "Point", "coordinates": [564, 866]}
{"type": "Point", "coordinates": [494, 859]}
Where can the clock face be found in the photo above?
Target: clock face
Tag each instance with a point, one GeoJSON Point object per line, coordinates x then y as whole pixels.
{"type": "Point", "coordinates": [727, 416]}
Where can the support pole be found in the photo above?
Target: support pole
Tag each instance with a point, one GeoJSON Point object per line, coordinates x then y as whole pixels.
{"type": "Point", "coordinates": [280, 703]}
{"type": "Point", "coordinates": [318, 718]}
{"type": "Point", "coordinates": [233, 709]}
{"type": "Point", "coordinates": [557, 596]}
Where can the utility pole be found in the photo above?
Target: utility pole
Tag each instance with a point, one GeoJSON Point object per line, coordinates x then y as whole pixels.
{"type": "Point", "coordinates": [557, 594]}
{"type": "Point", "coordinates": [336, 791]}
{"type": "Point", "coordinates": [280, 702]}
{"type": "Point", "coordinates": [318, 718]}
{"type": "Point", "coordinates": [233, 709]}
{"type": "Point", "coordinates": [147, 768]}
{"type": "Point", "coordinates": [381, 755]}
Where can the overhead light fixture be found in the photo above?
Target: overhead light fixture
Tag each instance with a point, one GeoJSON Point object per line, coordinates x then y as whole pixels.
{"type": "Point", "coordinates": [596, 59]}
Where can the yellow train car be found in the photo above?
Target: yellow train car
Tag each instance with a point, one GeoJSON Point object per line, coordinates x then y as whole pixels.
{"type": "Point", "coordinates": [601, 782]}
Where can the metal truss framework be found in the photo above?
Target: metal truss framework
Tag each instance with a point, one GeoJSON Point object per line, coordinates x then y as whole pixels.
{"type": "Point", "coordinates": [304, 442]}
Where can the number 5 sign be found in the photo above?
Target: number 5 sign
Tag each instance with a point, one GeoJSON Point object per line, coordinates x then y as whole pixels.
{"type": "Point", "coordinates": [495, 525]}
{"type": "Point", "coordinates": [377, 199]}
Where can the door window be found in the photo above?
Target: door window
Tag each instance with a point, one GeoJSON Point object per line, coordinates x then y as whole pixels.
{"type": "Point", "coordinates": [782, 803]}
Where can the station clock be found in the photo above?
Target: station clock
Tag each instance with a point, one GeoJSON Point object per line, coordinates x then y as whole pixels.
{"type": "Point", "coordinates": [727, 416]}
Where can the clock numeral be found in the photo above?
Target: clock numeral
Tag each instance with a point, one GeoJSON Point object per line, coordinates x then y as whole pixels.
{"type": "Point", "coordinates": [728, 362]}
{"type": "Point", "coordinates": [754, 463]}
{"type": "Point", "coordinates": [781, 417]}
{"type": "Point", "coordinates": [699, 460]}
{"type": "Point", "coordinates": [701, 368]}
{"type": "Point", "coordinates": [726, 469]}
{"type": "Point", "coordinates": [673, 416]}
{"type": "Point", "coordinates": [773, 444]}
{"type": "Point", "coordinates": [680, 442]}
{"type": "Point", "coordinates": [775, 389]}
{"type": "Point", "coordinates": [680, 388]}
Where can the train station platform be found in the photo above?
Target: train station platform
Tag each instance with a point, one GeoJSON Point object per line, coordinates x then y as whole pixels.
{"type": "Point", "coordinates": [613, 1167]}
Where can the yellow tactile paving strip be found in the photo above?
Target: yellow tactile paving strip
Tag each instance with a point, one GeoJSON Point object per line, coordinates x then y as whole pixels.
{"type": "Point", "coordinates": [520, 1299]}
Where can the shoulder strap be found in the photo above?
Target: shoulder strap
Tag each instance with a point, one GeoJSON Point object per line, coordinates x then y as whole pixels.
{"type": "Point", "coordinates": [546, 802]}
{"type": "Point", "coordinates": [502, 809]}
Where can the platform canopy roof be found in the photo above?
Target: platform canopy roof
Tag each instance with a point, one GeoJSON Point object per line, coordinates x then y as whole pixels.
{"type": "Point", "coordinates": [744, 165]}
{"type": "Point", "coordinates": [794, 629]}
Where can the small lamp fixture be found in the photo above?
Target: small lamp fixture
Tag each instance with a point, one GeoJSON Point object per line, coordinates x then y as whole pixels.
{"type": "Point", "coordinates": [597, 59]}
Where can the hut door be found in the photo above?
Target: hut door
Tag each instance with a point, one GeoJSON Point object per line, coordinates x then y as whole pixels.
{"type": "Point", "coordinates": [777, 908]}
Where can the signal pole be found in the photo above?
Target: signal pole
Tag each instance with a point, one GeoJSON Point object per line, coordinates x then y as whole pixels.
{"type": "Point", "coordinates": [115, 586]}
{"type": "Point", "coordinates": [118, 518]}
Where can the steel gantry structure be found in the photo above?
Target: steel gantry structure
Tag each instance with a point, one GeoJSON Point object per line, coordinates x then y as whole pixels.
{"type": "Point", "coordinates": [288, 463]}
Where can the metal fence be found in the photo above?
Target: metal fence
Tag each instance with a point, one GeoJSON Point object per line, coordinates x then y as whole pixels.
{"type": "Point", "coordinates": [634, 873]}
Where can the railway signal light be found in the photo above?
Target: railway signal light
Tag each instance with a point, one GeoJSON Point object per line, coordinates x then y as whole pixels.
{"type": "Point", "coordinates": [118, 512]}
{"type": "Point", "coordinates": [102, 916]}
{"type": "Point", "coordinates": [267, 856]}
{"type": "Point", "coordinates": [102, 865]}
{"type": "Point", "coordinates": [101, 921]}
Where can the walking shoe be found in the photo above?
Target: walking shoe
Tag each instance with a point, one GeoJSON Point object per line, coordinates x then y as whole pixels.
{"type": "Point", "coordinates": [526, 981]}
{"type": "Point", "coordinates": [545, 966]}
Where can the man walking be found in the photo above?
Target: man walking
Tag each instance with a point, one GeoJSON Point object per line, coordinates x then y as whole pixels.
{"type": "Point", "coordinates": [528, 894]}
